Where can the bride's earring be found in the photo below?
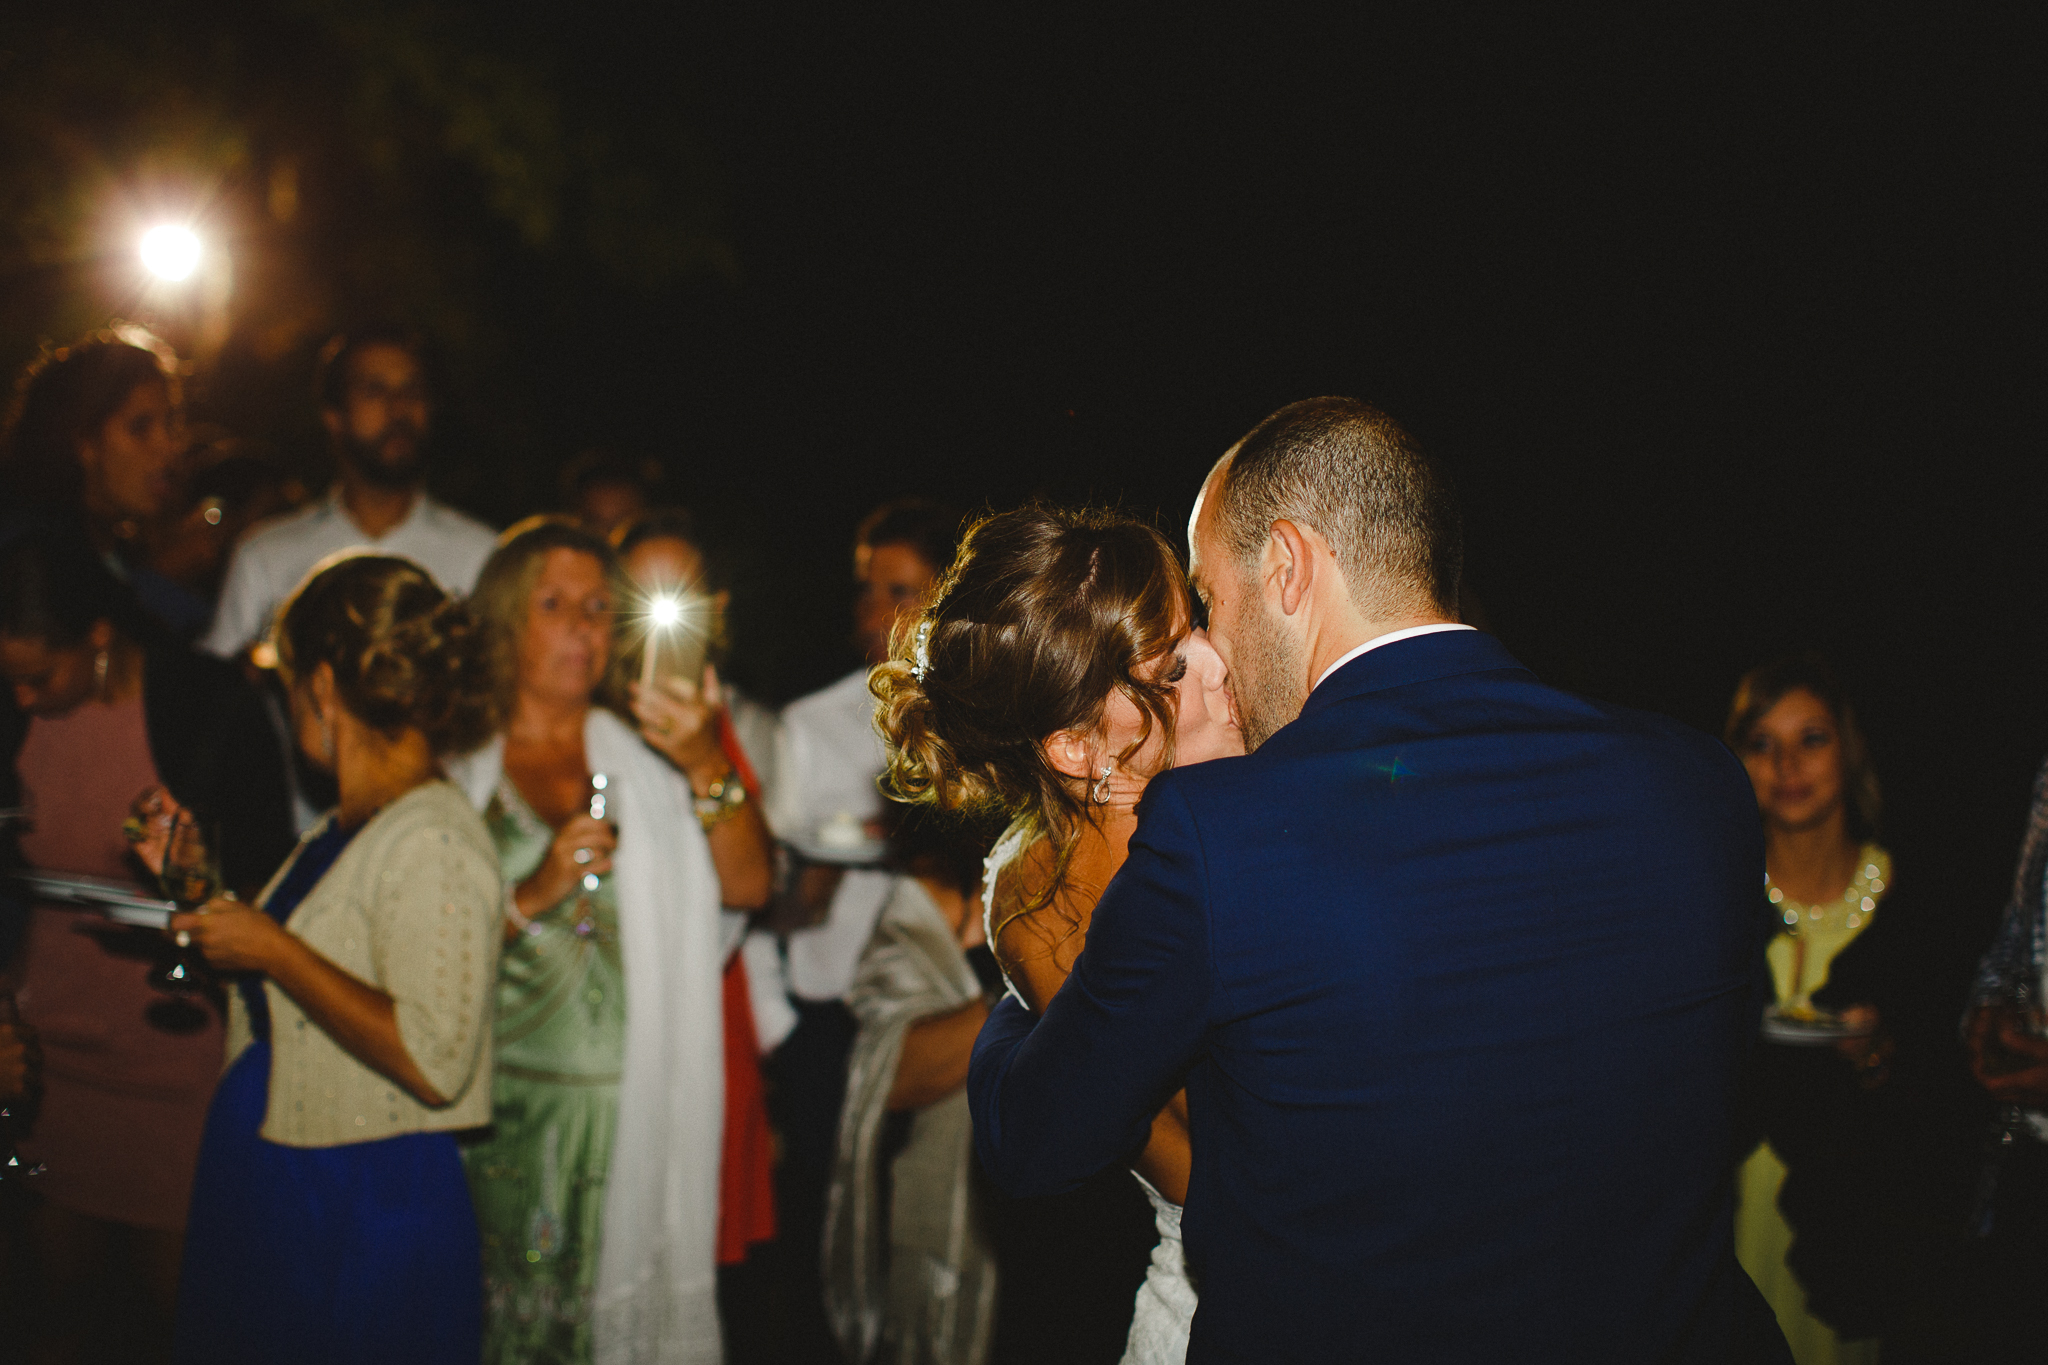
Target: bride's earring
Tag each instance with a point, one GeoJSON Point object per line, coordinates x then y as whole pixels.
{"type": "Point", "coordinates": [99, 675]}
{"type": "Point", "coordinates": [1098, 790]}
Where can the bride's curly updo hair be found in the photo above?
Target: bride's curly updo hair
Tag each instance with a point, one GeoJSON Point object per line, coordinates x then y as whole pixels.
{"type": "Point", "coordinates": [405, 654]}
{"type": "Point", "coordinates": [1044, 613]}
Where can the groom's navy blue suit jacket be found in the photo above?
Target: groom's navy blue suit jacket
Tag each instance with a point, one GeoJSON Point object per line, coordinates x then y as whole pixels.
{"type": "Point", "coordinates": [1457, 972]}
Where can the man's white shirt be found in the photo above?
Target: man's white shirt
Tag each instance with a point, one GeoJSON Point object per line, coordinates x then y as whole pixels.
{"type": "Point", "coordinates": [274, 557]}
{"type": "Point", "coordinates": [828, 764]}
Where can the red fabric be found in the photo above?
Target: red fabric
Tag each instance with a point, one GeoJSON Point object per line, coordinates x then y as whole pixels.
{"type": "Point", "coordinates": [746, 1188]}
{"type": "Point", "coordinates": [746, 1185]}
{"type": "Point", "coordinates": [729, 740]}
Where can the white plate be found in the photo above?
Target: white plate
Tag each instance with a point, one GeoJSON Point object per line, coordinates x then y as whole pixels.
{"type": "Point", "coordinates": [122, 904]}
{"type": "Point", "coordinates": [1780, 1027]}
{"type": "Point", "coordinates": [866, 853]}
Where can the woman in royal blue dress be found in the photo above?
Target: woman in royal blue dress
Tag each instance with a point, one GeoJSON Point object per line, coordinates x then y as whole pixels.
{"type": "Point", "coordinates": [330, 1218]}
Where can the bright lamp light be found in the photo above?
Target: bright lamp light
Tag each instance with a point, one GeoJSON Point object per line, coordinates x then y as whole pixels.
{"type": "Point", "coordinates": [170, 253]}
{"type": "Point", "coordinates": [665, 610]}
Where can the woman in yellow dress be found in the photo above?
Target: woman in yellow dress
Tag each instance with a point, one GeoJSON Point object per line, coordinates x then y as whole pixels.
{"type": "Point", "coordinates": [1826, 882]}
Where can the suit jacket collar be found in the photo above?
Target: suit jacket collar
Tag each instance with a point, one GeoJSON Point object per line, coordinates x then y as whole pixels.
{"type": "Point", "coordinates": [1417, 659]}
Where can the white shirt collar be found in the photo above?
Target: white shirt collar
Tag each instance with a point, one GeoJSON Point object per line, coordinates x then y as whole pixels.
{"type": "Point", "coordinates": [1389, 638]}
{"type": "Point", "coordinates": [339, 508]}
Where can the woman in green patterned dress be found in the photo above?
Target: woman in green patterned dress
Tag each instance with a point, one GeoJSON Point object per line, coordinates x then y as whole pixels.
{"type": "Point", "coordinates": [596, 1190]}
{"type": "Point", "coordinates": [561, 1037]}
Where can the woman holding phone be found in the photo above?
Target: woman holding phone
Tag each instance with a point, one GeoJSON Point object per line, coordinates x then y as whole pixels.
{"type": "Point", "coordinates": [664, 555]}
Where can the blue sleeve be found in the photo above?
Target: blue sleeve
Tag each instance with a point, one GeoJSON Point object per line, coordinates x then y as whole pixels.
{"type": "Point", "coordinates": [1056, 1101]}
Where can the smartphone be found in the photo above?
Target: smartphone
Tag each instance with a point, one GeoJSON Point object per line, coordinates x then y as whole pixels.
{"type": "Point", "coordinates": [678, 650]}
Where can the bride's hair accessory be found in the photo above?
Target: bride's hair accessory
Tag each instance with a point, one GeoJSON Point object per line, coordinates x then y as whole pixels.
{"type": "Point", "coordinates": [1098, 790]}
{"type": "Point", "coordinates": [921, 650]}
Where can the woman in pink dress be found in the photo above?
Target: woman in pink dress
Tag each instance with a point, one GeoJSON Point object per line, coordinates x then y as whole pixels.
{"type": "Point", "coordinates": [103, 711]}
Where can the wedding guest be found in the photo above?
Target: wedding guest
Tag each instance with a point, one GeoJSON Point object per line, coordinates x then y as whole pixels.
{"type": "Point", "coordinates": [114, 709]}
{"type": "Point", "coordinates": [1842, 1211]}
{"type": "Point", "coordinates": [330, 1218]}
{"type": "Point", "coordinates": [95, 436]}
{"type": "Point", "coordinates": [228, 491]}
{"type": "Point", "coordinates": [2002, 1318]}
{"type": "Point", "coordinates": [597, 1188]}
{"type": "Point", "coordinates": [1825, 881]}
{"type": "Point", "coordinates": [664, 551]}
{"type": "Point", "coordinates": [910, 1262]}
{"type": "Point", "coordinates": [378, 412]}
{"type": "Point", "coordinates": [603, 491]}
{"type": "Point", "coordinates": [664, 557]}
{"type": "Point", "coordinates": [825, 773]}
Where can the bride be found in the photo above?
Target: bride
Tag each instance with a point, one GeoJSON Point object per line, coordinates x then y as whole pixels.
{"type": "Point", "coordinates": [1055, 671]}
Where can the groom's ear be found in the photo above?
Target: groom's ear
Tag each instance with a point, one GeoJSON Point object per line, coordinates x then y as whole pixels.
{"type": "Point", "coordinates": [1067, 751]}
{"type": "Point", "coordinates": [1289, 565]}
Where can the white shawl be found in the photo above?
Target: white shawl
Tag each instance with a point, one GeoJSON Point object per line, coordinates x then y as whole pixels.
{"type": "Point", "coordinates": [656, 1300]}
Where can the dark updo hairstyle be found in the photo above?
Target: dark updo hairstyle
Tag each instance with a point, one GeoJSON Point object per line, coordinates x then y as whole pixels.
{"type": "Point", "coordinates": [405, 654]}
{"type": "Point", "coordinates": [930, 529]}
{"type": "Point", "coordinates": [1043, 615]}
{"type": "Point", "coordinates": [54, 588]}
{"type": "Point", "coordinates": [925, 841]}
{"type": "Point", "coordinates": [66, 396]}
{"type": "Point", "coordinates": [673, 523]}
{"type": "Point", "coordinates": [597, 467]}
{"type": "Point", "coordinates": [505, 583]}
{"type": "Point", "coordinates": [1764, 687]}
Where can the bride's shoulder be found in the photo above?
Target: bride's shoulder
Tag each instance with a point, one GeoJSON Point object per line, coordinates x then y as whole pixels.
{"type": "Point", "coordinates": [1037, 936]}
{"type": "Point", "coordinates": [1008, 845]}
{"type": "Point", "coordinates": [1017, 875]}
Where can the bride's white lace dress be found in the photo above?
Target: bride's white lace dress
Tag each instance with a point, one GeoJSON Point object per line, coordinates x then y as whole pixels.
{"type": "Point", "coordinates": [1166, 1300]}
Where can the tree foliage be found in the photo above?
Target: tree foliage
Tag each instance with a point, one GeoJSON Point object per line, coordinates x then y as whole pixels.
{"type": "Point", "coordinates": [353, 158]}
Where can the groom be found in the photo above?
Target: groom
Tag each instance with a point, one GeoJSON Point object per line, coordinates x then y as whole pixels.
{"type": "Point", "coordinates": [1456, 968]}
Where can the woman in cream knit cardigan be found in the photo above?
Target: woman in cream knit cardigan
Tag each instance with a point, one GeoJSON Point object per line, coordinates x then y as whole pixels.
{"type": "Point", "coordinates": [330, 1218]}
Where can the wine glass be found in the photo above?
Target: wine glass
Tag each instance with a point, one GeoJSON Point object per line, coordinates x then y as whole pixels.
{"type": "Point", "coordinates": [21, 815]}
{"type": "Point", "coordinates": [600, 809]}
{"type": "Point", "coordinates": [190, 877]}
{"type": "Point", "coordinates": [14, 1112]}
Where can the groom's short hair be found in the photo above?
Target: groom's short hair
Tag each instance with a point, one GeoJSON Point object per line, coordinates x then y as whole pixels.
{"type": "Point", "coordinates": [1350, 472]}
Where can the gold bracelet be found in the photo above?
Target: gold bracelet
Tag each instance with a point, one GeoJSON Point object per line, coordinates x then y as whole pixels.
{"type": "Point", "coordinates": [721, 801]}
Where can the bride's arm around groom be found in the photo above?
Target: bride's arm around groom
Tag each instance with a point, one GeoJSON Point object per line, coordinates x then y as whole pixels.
{"type": "Point", "coordinates": [1030, 1134]}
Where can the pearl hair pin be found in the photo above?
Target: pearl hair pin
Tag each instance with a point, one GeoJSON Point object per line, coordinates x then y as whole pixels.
{"type": "Point", "coordinates": [921, 650]}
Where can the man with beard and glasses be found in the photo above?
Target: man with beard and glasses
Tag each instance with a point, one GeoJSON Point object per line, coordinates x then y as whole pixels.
{"type": "Point", "coordinates": [374, 403]}
{"type": "Point", "coordinates": [1457, 970]}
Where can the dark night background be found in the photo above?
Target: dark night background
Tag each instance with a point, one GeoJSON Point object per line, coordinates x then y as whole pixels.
{"type": "Point", "coordinates": [1728, 322]}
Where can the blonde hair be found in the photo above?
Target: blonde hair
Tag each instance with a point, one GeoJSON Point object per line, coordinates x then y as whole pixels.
{"type": "Point", "coordinates": [505, 584]}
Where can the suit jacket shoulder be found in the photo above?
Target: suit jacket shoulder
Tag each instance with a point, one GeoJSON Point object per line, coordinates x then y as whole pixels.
{"type": "Point", "coordinates": [1482, 956]}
